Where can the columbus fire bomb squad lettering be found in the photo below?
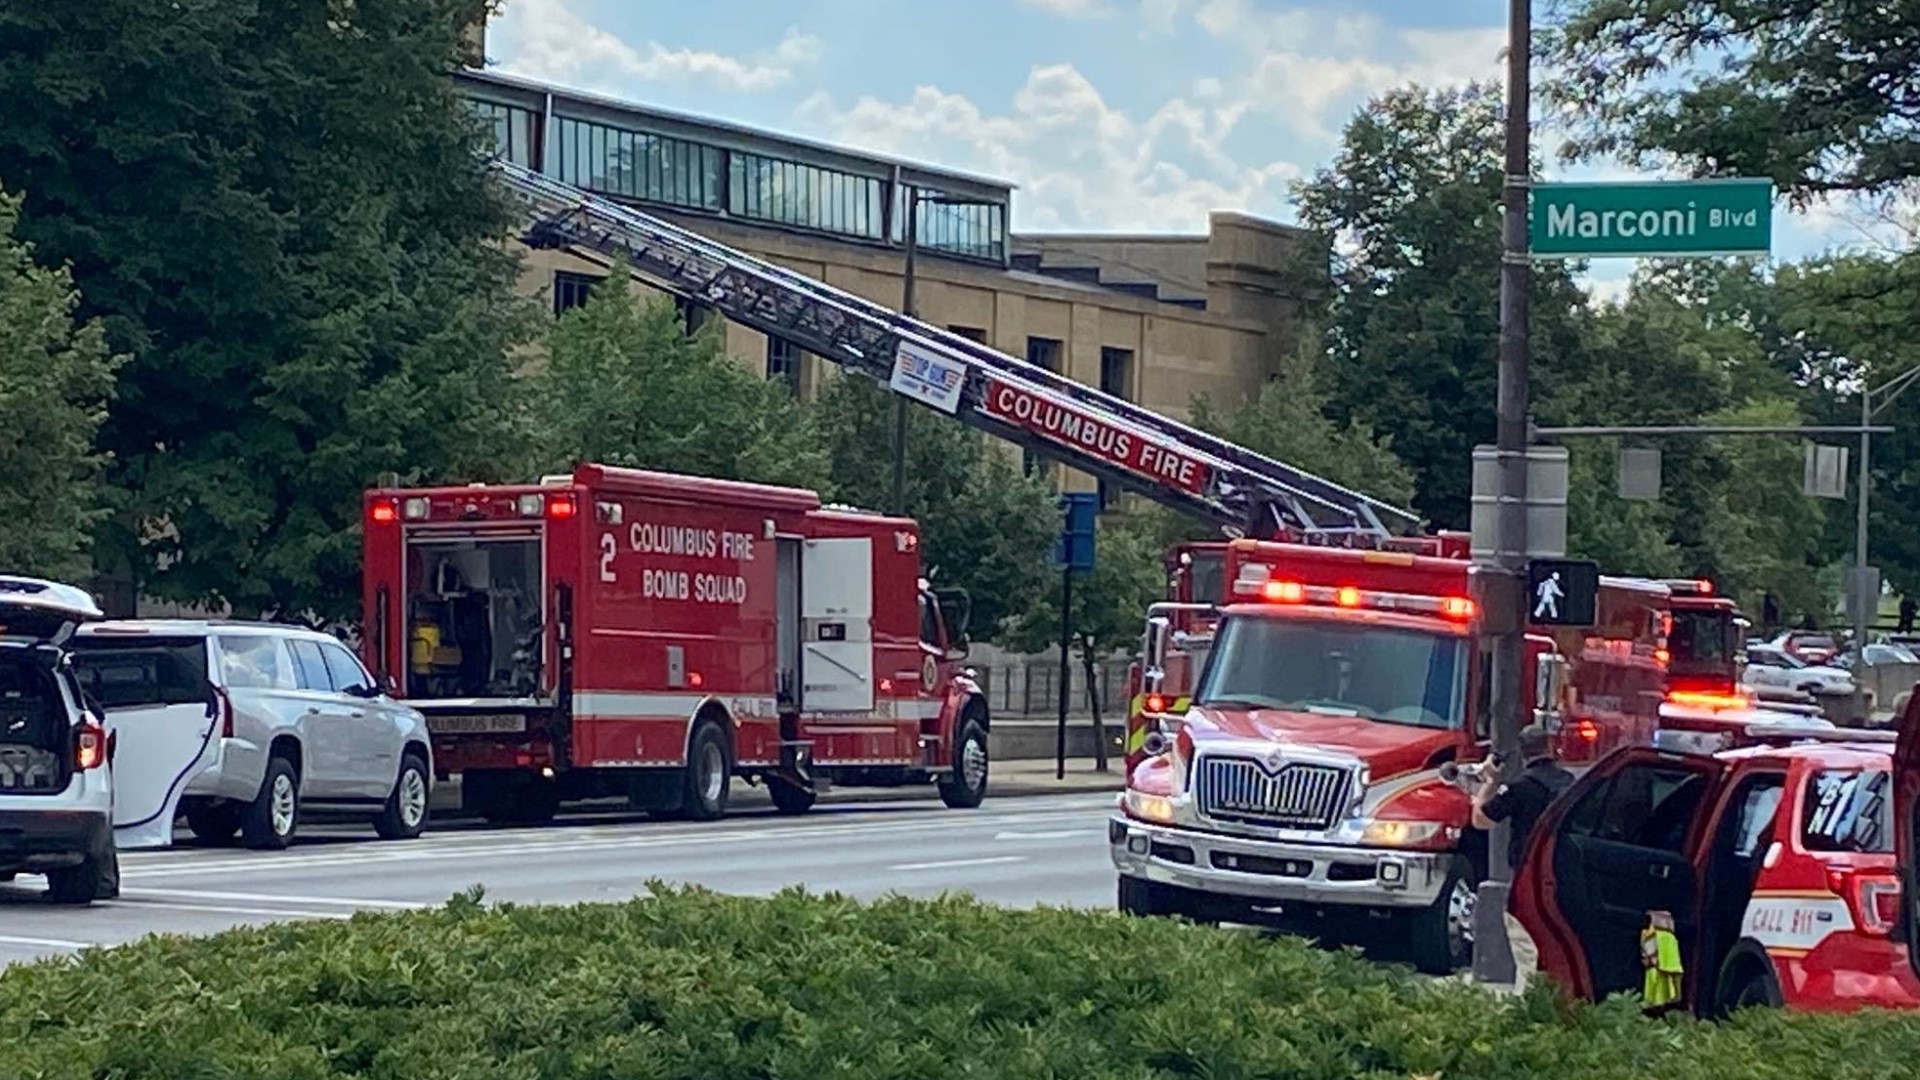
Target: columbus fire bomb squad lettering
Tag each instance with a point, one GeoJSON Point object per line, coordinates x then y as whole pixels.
{"type": "Point", "coordinates": [691, 542]}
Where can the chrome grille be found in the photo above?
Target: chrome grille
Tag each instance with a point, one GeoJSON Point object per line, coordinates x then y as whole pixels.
{"type": "Point", "coordinates": [1297, 795]}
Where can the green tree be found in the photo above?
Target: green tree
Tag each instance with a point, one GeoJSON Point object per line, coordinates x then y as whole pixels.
{"type": "Point", "coordinates": [624, 384]}
{"type": "Point", "coordinates": [984, 526]}
{"type": "Point", "coordinates": [278, 211]}
{"type": "Point", "coordinates": [1764, 534]}
{"type": "Point", "coordinates": [55, 378]}
{"type": "Point", "coordinates": [1412, 201]}
{"type": "Point", "coordinates": [1817, 94]}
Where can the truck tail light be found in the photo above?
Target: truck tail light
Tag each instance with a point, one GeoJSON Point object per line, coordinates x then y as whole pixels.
{"type": "Point", "coordinates": [1873, 899]}
{"type": "Point", "coordinates": [560, 507]}
{"type": "Point", "coordinates": [89, 746]}
{"type": "Point", "coordinates": [223, 709]}
{"type": "Point", "coordinates": [383, 511]}
{"type": "Point", "coordinates": [1587, 732]}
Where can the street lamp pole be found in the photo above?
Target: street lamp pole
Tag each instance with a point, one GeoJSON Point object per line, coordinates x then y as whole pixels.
{"type": "Point", "coordinates": [1492, 955]}
{"type": "Point", "coordinates": [1866, 607]}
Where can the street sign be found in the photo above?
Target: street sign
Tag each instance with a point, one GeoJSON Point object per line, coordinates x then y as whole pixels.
{"type": "Point", "coordinates": [1073, 551]}
{"type": "Point", "coordinates": [1563, 592]}
{"type": "Point", "coordinates": [1639, 475]}
{"type": "Point", "coordinates": [1681, 218]}
{"type": "Point", "coordinates": [1546, 501]}
{"type": "Point", "coordinates": [1825, 475]}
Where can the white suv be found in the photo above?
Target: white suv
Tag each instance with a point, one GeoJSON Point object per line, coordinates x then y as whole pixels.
{"type": "Point", "coordinates": [56, 782]}
{"type": "Point", "coordinates": [245, 726]}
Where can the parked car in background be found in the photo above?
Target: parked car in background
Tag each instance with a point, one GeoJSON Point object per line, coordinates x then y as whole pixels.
{"type": "Point", "coordinates": [1807, 646]}
{"type": "Point", "coordinates": [246, 726]}
{"type": "Point", "coordinates": [56, 779]}
{"type": "Point", "coordinates": [1771, 666]}
{"type": "Point", "coordinates": [1877, 654]}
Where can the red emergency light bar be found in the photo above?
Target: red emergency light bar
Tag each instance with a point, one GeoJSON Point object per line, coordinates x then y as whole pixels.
{"type": "Point", "coordinates": [1701, 699]}
{"type": "Point", "coordinates": [1273, 591]}
{"type": "Point", "coordinates": [1689, 586]}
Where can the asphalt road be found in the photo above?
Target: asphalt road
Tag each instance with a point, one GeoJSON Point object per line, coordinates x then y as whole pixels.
{"type": "Point", "coordinates": [1020, 852]}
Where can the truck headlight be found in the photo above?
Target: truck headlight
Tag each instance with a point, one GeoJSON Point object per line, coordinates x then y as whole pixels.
{"type": "Point", "coordinates": [1404, 834]}
{"type": "Point", "coordinates": [1147, 807]}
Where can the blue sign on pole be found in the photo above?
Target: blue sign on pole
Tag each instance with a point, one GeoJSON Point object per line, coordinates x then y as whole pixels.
{"type": "Point", "coordinates": [1074, 550]}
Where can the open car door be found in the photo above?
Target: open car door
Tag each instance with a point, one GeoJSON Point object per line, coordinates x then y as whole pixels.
{"type": "Point", "coordinates": [1906, 823]}
{"type": "Point", "coordinates": [1620, 843]}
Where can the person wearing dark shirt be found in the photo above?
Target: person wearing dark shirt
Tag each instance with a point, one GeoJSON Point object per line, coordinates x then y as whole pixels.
{"type": "Point", "coordinates": [1520, 802]}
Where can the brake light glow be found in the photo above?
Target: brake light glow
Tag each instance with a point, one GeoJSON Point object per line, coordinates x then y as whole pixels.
{"type": "Point", "coordinates": [1701, 699]}
{"type": "Point", "coordinates": [1284, 592]}
{"type": "Point", "coordinates": [1347, 596]}
{"type": "Point", "coordinates": [383, 512]}
{"type": "Point", "coordinates": [560, 507]}
{"type": "Point", "coordinates": [1873, 898]}
{"type": "Point", "coordinates": [1587, 732]}
{"type": "Point", "coordinates": [1156, 703]}
{"type": "Point", "coordinates": [1457, 607]}
{"type": "Point", "coordinates": [90, 746]}
{"type": "Point", "coordinates": [1705, 587]}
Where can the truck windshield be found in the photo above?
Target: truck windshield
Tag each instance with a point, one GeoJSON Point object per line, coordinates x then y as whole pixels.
{"type": "Point", "coordinates": [1701, 642]}
{"type": "Point", "coordinates": [473, 617]}
{"type": "Point", "coordinates": [1380, 673]}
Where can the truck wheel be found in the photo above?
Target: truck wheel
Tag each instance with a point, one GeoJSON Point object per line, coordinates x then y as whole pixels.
{"type": "Point", "coordinates": [789, 797]}
{"type": "Point", "coordinates": [965, 785]}
{"type": "Point", "coordinates": [405, 815]}
{"type": "Point", "coordinates": [269, 821]}
{"type": "Point", "coordinates": [1150, 899]}
{"type": "Point", "coordinates": [532, 803]}
{"type": "Point", "coordinates": [1440, 938]}
{"type": "Point", "coordinates": [98, 878]}
{"type": "Point", "coordinates": [708, 775]}
{"type": "Point", "coordinates": [214, 823]}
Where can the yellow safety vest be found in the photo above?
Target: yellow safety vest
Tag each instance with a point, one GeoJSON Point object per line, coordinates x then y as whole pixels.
{"type": "Point", "coordinates": [1663, 973]}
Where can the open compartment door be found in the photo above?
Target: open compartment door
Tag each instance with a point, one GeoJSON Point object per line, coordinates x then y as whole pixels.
{"type": "Point", "coordinates": [1906, 827]}
{"type": "Point", "coordinates": [836, 625]}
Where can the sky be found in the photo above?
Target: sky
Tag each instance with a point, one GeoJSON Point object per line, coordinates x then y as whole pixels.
{"type": "Point", "coordinates": [1108, 115]}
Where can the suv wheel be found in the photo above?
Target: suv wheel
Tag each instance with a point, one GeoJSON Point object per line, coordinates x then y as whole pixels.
{"type": "Point", "coordinates": [405, 815]}
{"type": "Point", "coordinates": [98, 878]}
{"type": "Point", "coordinates": [269, 821]}
{"type": "Point", "coordinates": [214, 822]}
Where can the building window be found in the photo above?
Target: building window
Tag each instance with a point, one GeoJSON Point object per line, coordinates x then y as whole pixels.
{"type": "Point", "coordinates": [637, 165]}
{"type": "Point", "coordinates": [783, 362]}
{"type": "Point", "coordinates": [1042, 353]}
{"type": "Point", "coordinates": [693, 315]}
{"type": "Point", "coordinates": [971, 333]}
{"type": "Point", "coordinates": [1116, 378]}
{"type": "Point", "coordinates": [512, 130]}
{"type": "Point", "coordinates": [571, 290]}
{"type": "Point", "coordinates": [971, 230]}
{"type": "Point", "coordinates": [803, 196]}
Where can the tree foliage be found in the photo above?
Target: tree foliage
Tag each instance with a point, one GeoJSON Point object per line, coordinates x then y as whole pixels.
{"type": "Point", "coordinates": [622, 383]}
{"type": "Point", "coordinates": [278, 211]}
{"type": "Point", "coordinates": [1412, 201]}
{"type": "Point", "coordinates": [1109, 604]}
{"type": "Point", "coordinates": [56, 376]}
{"type": "Point", "coordinates": [984, 525]}
{"type": "Point", "coordinates": [1817, 94]}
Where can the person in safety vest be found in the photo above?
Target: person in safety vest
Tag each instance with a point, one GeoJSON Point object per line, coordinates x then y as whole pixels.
{"type": "Point", "coordinates": [1520, 802]}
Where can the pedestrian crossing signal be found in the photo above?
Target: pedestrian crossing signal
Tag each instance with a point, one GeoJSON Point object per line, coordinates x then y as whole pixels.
{"type": "Point", "coordinates": [1563, 592]}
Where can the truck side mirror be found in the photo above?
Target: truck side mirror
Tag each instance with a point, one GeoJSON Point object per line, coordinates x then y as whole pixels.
{"type": "Point", "coordinates": [1153, 648]}
{"type": "Point", "coordinates": [959, 647]}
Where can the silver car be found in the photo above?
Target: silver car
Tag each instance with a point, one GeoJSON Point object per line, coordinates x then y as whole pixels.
{"type": "Point", "coordinates": [246, 726]}
{"type": "Point", "coordinates": [56, 773]}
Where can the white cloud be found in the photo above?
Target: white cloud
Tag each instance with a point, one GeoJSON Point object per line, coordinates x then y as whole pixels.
{"type": "Point", "coordinates": [546, 39]}
{"type": "Point", "coordinates": [1071, 8]}
{"type": "Point", "coordinates": [1080, 162]}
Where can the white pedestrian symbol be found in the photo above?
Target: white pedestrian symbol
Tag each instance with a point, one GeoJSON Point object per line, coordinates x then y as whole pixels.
{"type": "Point", "coordinates": [1546, 602]}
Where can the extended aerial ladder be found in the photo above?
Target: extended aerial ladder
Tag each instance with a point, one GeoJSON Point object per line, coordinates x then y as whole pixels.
{"type": "Point", "coordinates": [1139, 450]}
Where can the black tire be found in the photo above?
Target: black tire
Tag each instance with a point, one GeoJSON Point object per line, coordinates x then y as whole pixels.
{"type": "Point", "coordinates": [1747, 982]}
{"type": "Point", "coordinates": [1440, 938]}
{"type": "Point", "coordinates": [214, 823]}
{"type": "Point", "coordinates": [270, 820]}
{"type": "Point", "coordinates": [708, 777]}
{"type": "Point", "coordinates": [789, 797]}
{"type": "Point", "coordinates": [964, 786]}
{"type": "Point", "coordinates": [1145, 899]}
{"type": "Point", "coordinates": [98, 878]}
{"type": "Point", "coordinates": [405, 815]}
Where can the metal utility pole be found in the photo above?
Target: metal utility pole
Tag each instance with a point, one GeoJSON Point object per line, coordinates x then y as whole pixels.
{"type": "Point", "coordinates": [1866, 607]}
{"type": "Point", "coordinates": [1493, 957]}
{"type": "Point", "coordinates": [900, 400]}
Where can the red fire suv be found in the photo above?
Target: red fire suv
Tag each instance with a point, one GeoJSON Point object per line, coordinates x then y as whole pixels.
{"type": "Point", "coordinates": [1781, 863]}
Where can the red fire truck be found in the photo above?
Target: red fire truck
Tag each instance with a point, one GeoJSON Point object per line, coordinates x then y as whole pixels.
{"type": "Point", "coordinates": [616, 632]}
{"type": "Point", "coordinates": [1707, 640]}
{"type": "Point", "coordinates": [1311, 783]}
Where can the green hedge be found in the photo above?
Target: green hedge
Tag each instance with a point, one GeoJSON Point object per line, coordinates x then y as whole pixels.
{"type": "Point", "coordinates": [691, 985]}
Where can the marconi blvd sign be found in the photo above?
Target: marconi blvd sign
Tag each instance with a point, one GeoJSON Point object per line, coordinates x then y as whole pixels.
{"type": "Point", "coordinates": [1060, 421]}
{"type": "Point", "coordinates": [1677, 218]}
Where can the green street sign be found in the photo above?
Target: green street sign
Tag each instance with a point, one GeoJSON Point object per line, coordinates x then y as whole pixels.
{"type": "Point", "coordinates": [1674, 218]}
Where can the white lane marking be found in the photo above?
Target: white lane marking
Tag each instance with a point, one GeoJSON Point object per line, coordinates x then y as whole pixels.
{"type": "Point", "coordinates": [45, 943]}
{"type": "Point", "coordinates": [228, 909]}
{"type": "Point", "coordinates": [269, 898]}
{"type": "Point", "coordinates": [1057, 834]}
{"type": "Point", "coordinates": [946, 864]}
{"type": "Point", "coordinates": [530, 846]}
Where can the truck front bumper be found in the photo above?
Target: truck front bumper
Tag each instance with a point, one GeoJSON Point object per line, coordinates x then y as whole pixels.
{"type": "Point", "coordinates": [1276, 872]}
